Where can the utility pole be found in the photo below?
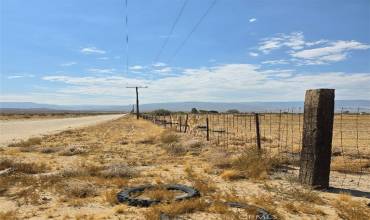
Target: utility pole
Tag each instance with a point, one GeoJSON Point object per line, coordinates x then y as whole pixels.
{"type": "Point", "coordinates": [137, 98]}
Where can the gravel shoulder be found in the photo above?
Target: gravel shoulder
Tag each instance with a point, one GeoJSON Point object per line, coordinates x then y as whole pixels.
{"type": "Point", "coordinates": [16, 130]}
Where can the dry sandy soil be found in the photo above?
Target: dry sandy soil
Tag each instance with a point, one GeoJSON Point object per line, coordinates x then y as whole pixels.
{"type": "Point", "coordinates": [76, 174]}
{"type": "Point", "coordinates": [16, 130]}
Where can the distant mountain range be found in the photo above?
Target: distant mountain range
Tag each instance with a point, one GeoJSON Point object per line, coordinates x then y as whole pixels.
{"type": "Point", "coordinates": [347, 105]}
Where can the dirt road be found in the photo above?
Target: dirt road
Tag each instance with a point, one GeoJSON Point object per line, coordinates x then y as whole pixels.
{"type": "Point", "coordinates": [11, 131]}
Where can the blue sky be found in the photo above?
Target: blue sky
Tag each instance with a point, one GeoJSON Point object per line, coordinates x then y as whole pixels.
{"type": "Point", "coordinates": [74, 52]}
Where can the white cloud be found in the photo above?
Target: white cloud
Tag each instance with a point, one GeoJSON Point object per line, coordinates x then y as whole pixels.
{"type": "Point", "coordinates": [253, 54]}
{"type": "Point", "coordinates": [334, 52]}
{"type": "Point", "coordinates": [96, 70]}
{"type": "Point", "coordinates": [275, 62]}
{"type": "Point", "coordinates": [159, 64]}
{"type": "Point", "coordinates": [302, 52]}
{"type": "Point", "coordinates": [18, 76]}
{"type": "Point", "coordinates": [230, 82]}
{"type": "Point", "coordinates": [137, 67]}
{"type": "Point", "coordinates": [92, 50]}
{"type": "Point", "coordinates": [163, 70]}
{"type": "Point", "coordinates": [68, 64]}
{"type": "Point", "coordinates": [294, 40]}
{"type": "Point", "coordinates": [252, 20]}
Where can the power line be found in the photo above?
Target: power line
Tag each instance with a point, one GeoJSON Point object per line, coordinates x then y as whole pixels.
{"type": "Point", "coordinates": [193, 30]}
{"type": "Point", "coordinates": [171, 30]}
{"type": "Point", "coordinates": [126, 25]}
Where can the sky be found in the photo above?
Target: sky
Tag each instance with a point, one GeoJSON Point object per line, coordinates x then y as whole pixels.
{"type": "Point", "coordinates": [75, 52]}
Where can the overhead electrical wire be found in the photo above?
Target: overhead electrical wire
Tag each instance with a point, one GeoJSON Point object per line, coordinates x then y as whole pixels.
{"type": "Point", "coordinates": [127, 33]}
{"type": "Point", "coordinates": [171, 30]}
{"type": "Point", "coordinates": [178, 49]}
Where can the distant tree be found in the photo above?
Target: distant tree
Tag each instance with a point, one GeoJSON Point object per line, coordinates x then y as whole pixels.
{"type": "Point", "coordinates": [213, 111]}
{"type": "Point", "coordinates": [161, 112]}
{"type": "Point", "coordinates": [233, 111]}
{"type": "Point", "coordinates": [194, 111]}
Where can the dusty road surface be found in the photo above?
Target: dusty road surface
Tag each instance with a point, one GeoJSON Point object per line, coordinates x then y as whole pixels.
{"type": "Point", "coordinates": [11, 131]}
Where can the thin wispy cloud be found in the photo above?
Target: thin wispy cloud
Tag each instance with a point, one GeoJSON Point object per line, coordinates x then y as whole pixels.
{"type": "Point", "coordinates": [68, 63]}
{"type": "Point", "coordinates": [304, 52]}
{"type": "Point", "coordinates": [220, 83]}
{"type": "Point", "coordinates": [18, 76]}
{"type": "Point", "coordinates": [101, 71]}
{"type": "Point", "coordinates": [253, 54]}
{"type": "Point", "coordinates": [334, 52]}
{"type": "Point", "coordinates": [251, 20]}
{"type": "Point", "coordinates": [92, 50]}
{"type": "Point", "coordinates": [137, 67]}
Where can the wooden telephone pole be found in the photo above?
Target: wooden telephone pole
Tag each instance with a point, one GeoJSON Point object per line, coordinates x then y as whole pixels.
{"type": "Point", "coordinates": [137, 98]}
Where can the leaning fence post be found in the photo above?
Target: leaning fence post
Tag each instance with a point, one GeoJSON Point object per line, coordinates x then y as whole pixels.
{"type": "Point", "coordinates": [180, 123]}
{"type": "Point", "coordinates": [317, 136]}
{"type": "Point", "coordinates": [186, 123]}
{"type": "Point", "coordinates": [258, 137]}
{"type": "Point", "coordinates": [207, 127]}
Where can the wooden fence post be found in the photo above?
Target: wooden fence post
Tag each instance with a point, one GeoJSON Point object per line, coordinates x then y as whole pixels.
{"type": "Point", "coordinates": [180, 123]}
{"type": "Point", "coordinates": [258, 136]}
{"type": "Point", "coordinates": [207, 127]}
{"type": "Point", "coordinates": [186, 123]}
{"type": "Point", "coordinates": [317, 138]}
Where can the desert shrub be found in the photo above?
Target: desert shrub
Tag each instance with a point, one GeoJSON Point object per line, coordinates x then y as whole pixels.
{"type": "Point", "coordinates": [110, 196]}
{"type": "Point", "coordinates": [27, 168]}
{"type": "Point", "coordinates": [8, 215]}
{"type": "Point", "coordinates": [49, 150]}
{"type": "Point", "coordinates": [349, 208]}
{"type": "Point", "coordinates": [231, 175]}
{"type": "Point", "coordinates": [28, 143]}
{"type": "Point", "coordinates": [254, 163]}
{"type": "Point", "coordinates": [73, 150]}
{"type": "Point", "coordinates": [169, 137]}
{"type": "Point", "coordinates": [176, 149]}
{"type": "Point", "coordinates": [176, 208]}
{"type": "Point", "coordinates": [78, 189]}
{"type": "Point", "coordinates": [146, 140]}
{"type": "Point", "coordinates": [161, 112]}
{"type": "Point", "coordinates": [118, 170]}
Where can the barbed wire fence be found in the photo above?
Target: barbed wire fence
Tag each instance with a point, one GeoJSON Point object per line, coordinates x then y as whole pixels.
{"type": "Point", "coordinates": [280, 134]}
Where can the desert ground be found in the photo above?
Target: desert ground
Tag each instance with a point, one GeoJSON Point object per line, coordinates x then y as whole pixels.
{"type": "Point", "coordinates": [18, 130]}
{"type": "Point", "coordinates": [76, 174]}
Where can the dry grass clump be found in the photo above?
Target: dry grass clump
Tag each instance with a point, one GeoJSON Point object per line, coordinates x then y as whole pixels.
{"type": "Point", "coordinates": [146, 140]}
{"type": "Point", "coordinates": [110, 196]}
{"type": "Point", "coordinates": [118, 170]}
{"type": "Point", "coordinates": [177, 208]}
{"type": "Point", "coordinates": [160, 194]}
{"type": "Point", "coordinates": [9, 215]}
{"type": "Point", "coordinates": [175, 149]}
{"type": "Point", "coordinates": [26, 168]}
{"type": "Point", "coordinates": [77, 189]}
{"type": "Point", "coordinates": [349, 165]}
{"type": "Point", "coordinates": [349, 208]}
{"type": "Point", "coordinates": [252, 163]}
{"type": "Point", "coordinates": [49, 150]}
{"type": "Point", "coordinates": [231, 175]}
{"type": "Point", "coordinates": [168, 137]}
{"type": "Point", "coordinates": [28, 143]}
{"type": "Point", "coordinates": [303, 207]}
{"type": "Point", "coordinates": [73, 150]}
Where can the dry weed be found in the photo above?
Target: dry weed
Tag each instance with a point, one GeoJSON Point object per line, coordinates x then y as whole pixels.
{"type": "Point", "coordinates": [28, 143]}
{"type": "Point", "coordinates": [349, 208]}
{"type": "Point", "coordinates": [176, 208]}
{"type": "Point", "coordinates": [8, 215]}
{"type": "Point", "coordinates": [169, 137]}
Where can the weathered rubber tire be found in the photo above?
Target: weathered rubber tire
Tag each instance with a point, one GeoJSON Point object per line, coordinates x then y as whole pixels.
{"type": "Point", "coordinates": [125, 195]}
